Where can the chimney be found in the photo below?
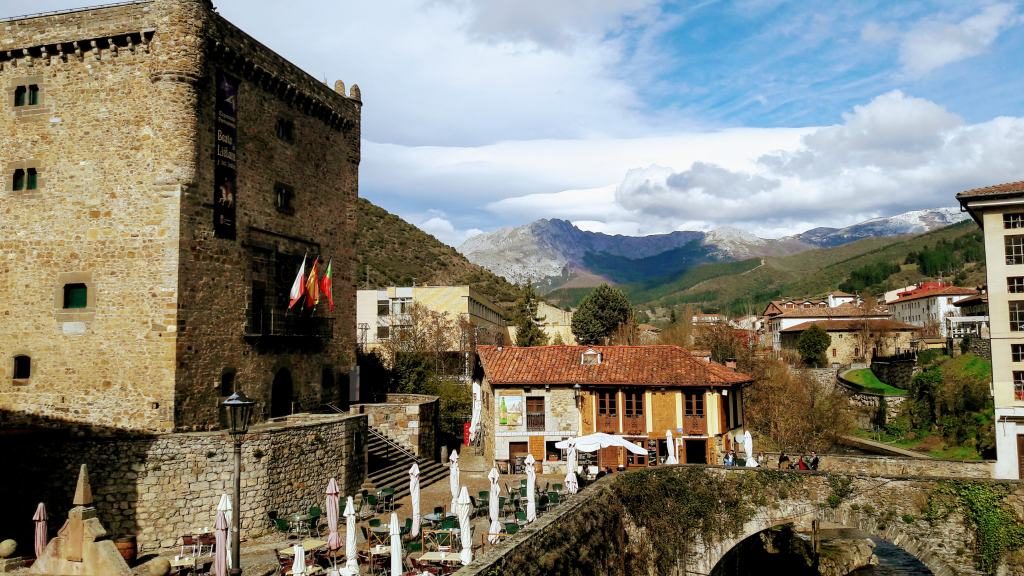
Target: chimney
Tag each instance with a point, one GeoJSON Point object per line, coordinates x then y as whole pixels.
{"type": "Point", "coordinates": [730, 363]}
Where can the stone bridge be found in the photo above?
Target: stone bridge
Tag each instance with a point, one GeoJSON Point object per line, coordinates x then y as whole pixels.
{"type": "Point", "coordinates": [605, 531]}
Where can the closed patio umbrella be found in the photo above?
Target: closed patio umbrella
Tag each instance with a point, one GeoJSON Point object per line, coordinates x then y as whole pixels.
{"type": "Point", "coordinates": [333, 500]}
{"type": "Point", "coordinates": [220, 548]}
{"type": "Point", "coordinates": [748, 449]}
{"type": "Point", "coordinates": [396, 545]}
{"type": "Point", "coordinates": [299, 561]}
{"type": "Point", "coordinates": [414, 495]}
{"type": "Point", "coordinates": [531, 489]}
{"type": "Point", "coordinates": [351, 563]}
{"type": "Point", "coordinates": [225, 506]}
{"type": "Point", "coordinates": [465, 528]}
{"type": "Point", "coordinates": [493, 501]}
{"type": "Point", "coordinates": [453, 469]}
{"type": "Point", "coordinates": [572, 485]}
{"type": "Point", "coordinates": [671, 445]}
{"type": "Point", "coordinates": [40, 537]}
{"type": "Point", "coordinates": [474, 422]}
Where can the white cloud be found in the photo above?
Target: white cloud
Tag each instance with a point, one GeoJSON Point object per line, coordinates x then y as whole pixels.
{"type": "Point", "coordinates": [933, 44]}
{"type": "Point", "coordinates": [438, 225]}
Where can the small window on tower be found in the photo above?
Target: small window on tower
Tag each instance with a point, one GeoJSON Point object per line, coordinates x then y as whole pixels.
{"type": "Point", "coordinates": [285, 130]}
{"type": "Point", "coordinates": [283, 198]}
{"type": "Point", "coordinates": [31, 179]}
{"type": "Point", "coordinates": [20, 95]}
{"type": "Point", "coordinates": [18, 180]}
{"type": "Point", "coordinates": [227, 382]}
{"type": "Point", "coordinates": [22, 367]}
{"type": "Point", "coordinates": [76, 295]}
{"type": "Point", "coordinates": [33, 94]}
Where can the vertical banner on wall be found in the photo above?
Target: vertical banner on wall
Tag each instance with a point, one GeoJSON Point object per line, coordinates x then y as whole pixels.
{"type": "Point", "coordinates": [225, 178]}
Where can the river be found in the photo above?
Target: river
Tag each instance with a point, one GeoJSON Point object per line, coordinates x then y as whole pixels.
{"type": "Point", "coordinates": [893, 561]}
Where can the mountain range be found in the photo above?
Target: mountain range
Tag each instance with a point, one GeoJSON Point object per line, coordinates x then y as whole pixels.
{"type": "Point", "coordinates": [556, 254]}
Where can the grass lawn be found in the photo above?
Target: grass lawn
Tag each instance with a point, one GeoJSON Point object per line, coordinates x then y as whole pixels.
{"type": "Point", "coordinates": [931, 445]}
{"type": "Point", "coordinates": [867, 379]}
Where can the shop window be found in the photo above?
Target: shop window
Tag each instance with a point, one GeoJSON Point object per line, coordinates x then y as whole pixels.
{"type": "Point", "coordinates": [22, 367]}
{"type": "Point", "coordinates": [76, 295]}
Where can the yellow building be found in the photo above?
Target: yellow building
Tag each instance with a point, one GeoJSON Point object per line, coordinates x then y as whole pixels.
{"type": "Point", "coordinates": [555, 322]}
{"type": "Point", "coordinates": [999, 210]}
{"type": "Point", "coordinates": [379, 313]}
{"type": "Point", "coordinates": [534, 397]}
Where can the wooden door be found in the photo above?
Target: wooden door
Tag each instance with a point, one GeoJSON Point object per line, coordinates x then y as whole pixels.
{"type": "Point", "coordinates": [609, 457]}
{"type": "Point", "coordinates": [537, 448]}
{"type": "Point", "coordinates": [663, 413]}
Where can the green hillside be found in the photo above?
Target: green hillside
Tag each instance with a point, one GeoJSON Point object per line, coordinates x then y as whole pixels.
{"type": "Point", "coordinates": [390, 251]}
{"type": "Point", "coordinates": [814, 272]}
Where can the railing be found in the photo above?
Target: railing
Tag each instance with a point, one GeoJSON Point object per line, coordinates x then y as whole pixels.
{"type": "Point", "coordinates": [272, 322]}
{"type": "Point", "coordinates": [391, 443]}
{"type": "Point", "coordinates": [535, 422]}
{"type": "Point", "coordinates": [695, 425]}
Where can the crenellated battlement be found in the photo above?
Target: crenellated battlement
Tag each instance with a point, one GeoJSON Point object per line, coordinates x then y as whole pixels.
{"type": "Point", "coordinates": [100, 48]}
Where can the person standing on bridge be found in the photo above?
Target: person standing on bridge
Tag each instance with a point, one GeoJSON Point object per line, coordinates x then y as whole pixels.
{"type": "Point", "coordinates": [814, 460]}
{"type": "Point", "coordinates": [783, 460]}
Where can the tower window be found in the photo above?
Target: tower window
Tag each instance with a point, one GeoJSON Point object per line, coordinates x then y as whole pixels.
{"type": "Point", "coordinates": [31, 179]}
{"type": "Point", "coordinates": [33, 94]}
{"type": "Point", "coordinates": [285, 130]}
{"type": "Point", "coordinates": [283, 197]}
{"type": "Point", "coordinates": [20, 95]}
{"type": "Point", "coordinates": [26, 95]}
{"type": "Point", "coordinates": [227, 382]}
{"type": "Point", "coordinates": [22, 367]}
{"type": "Point", "coordinates": [76, 295]}
{"type": "Point", "coordinates": [18, 181]}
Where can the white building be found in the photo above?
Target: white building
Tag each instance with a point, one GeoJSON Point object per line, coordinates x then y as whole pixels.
{"type": "Point", "coordinates": [929, 305]}
{"type": "Point", "coordinates": [999, 210]}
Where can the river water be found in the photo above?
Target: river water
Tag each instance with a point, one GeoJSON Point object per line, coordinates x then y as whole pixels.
{"type": "Point", "coordinates": [893, 561]}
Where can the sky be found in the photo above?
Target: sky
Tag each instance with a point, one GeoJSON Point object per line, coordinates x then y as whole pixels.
{"type": "Point", "coordinates": [641, 117]}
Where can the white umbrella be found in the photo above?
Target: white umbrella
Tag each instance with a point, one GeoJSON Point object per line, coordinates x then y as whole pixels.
{"type": "Point", "coordinates": [670, 443]}
{"type": "Point", "coordinates": [396, 545]}
{"type": "Point", "coordinates": [475, 422]}
{"type": "Point", "coordinates": [465, 528]}
{"type": "Point", "coordinates": [414, 494]}
{"type": "Point", "coordinates": [351, 563]}
{"type": "Point", "coordinates": [493, 501]}
{"type": "Point", "coordinates": [299, 562]}
{"type": "Point", "coordinates": [748, 448]}
{"type": "Point", "coordinates": [599, 440]}
{"type": "Point", "coordinates": [225, 506]}
{"type": "Point", "coordinates": [453, 469]}
{"type": "Point", "coordinates": [531, 488]}
{"type": "Point", "coordinates": [572, 485]}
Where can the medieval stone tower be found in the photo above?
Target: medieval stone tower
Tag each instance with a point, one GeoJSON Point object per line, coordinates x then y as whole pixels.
{"type": "Point", "coordinates": [164, 175]}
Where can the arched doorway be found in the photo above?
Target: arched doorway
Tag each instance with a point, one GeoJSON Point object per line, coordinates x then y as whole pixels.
{"type": "Point", "coordinates": [281, 394]}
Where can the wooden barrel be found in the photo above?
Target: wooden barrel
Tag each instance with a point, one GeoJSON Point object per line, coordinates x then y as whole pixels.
{"type": "Point", "coordinates": [126, 545]}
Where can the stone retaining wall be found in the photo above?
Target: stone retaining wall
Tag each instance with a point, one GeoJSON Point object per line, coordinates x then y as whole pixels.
{"type": "Point", "coordinates": [161, 487]}
{"type": "Point", "coordinates": [896, 373]}
{"type": "Point", "coordinates": [895, 466]}
{"type": "Point", "coordinates": [412, 419]}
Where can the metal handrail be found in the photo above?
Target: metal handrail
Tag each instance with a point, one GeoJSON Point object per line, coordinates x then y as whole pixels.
{"type": "Point", "coordinates": [391, 443]}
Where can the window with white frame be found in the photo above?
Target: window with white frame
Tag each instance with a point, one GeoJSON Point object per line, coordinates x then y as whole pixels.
{"type": "Point", "coordinates": [1016, 315]}
{"type": "Point", "coordinates": [1014, 244]}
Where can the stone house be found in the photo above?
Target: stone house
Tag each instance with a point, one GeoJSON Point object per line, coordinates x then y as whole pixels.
{"type": "Point", "coordinates": [781, 315]}
{"type": "Point", "coordinates": [857, 340]}
{"type": "Point", "coordinates": [164, 175]}
{"type": "Point", "coordinates": [537, 396]}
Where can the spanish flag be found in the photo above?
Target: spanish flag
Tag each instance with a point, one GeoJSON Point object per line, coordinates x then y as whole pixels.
{"type": "Point", "coordinates": [313, 287]}
{"type": "Point", "coordinates": [298, 287]}
{"type": "Point", "coordinates": [325, 286]}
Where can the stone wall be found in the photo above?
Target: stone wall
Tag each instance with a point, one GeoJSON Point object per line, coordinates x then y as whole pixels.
{"type": "Point", "coordinates": [411, 419]}
{"type": "Point", "coordinates": [866, 406]}
{"type": "Point", "coordinates": [163, 486]}
{"type": "Point", "coordinates": [980, 346]}
{"type": "Point", "coordinates": [896, 373]}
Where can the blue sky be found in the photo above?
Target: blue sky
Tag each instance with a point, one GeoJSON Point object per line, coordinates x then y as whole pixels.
{"type": "Point", "coordinates": [638, 116]}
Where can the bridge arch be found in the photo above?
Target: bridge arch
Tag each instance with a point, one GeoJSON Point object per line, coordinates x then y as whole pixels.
{"type": "Point", "coordinates": [801, 513]}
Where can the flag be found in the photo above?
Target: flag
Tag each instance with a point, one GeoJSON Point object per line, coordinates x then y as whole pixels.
{"type": "Point", "coordinates": [325, 287]}
{"type": "Point", "coordinates": [313, 287]}
{"type": "Point", "coordinates": [298, 288]}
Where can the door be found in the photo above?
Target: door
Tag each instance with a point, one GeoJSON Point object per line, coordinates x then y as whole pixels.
{"type": "Point", "coordinates": [281, 394]}
{"type": "Point", "coordinates": [695, 451]}
{"type": "Point", "coordinates": [609, 457]}
{"type": "Point", "coordinates": [1020, 456]}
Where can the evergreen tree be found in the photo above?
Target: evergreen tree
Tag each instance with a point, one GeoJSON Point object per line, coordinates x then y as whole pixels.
{"type": "Point", "coordinates": [812, 345]}
{"type": "Point", "coordinates": [599, 314]}
{"type": "Point", "coordinates": [528, 324]}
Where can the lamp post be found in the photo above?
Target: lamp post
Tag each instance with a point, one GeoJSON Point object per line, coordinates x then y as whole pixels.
{"type": "Point", "coordinates": [239, 409]}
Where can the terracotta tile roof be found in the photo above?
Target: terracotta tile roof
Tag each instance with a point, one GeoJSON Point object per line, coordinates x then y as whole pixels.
{"type": "Point", "coordinates": [944, 291]}
{"type": "Point", "coordinates": [620, 365]}
{"type": "Point", "coordinates": [853, 326]}
{"type": "Point", "coordinates": [999, 190]}
{"type": "Point", "coordinates": [971, 300]}
{"type": "Point", "coordinates": [840, 294]}
{"type": "Point", "coordinates": [841, 311]}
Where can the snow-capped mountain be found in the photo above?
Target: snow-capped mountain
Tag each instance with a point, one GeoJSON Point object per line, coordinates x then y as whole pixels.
{"type": "Point", "coordinates": [554, 251]}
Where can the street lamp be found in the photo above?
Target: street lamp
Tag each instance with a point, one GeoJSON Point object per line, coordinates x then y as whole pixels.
{"type": "Point", "coordinates": [239, 409]}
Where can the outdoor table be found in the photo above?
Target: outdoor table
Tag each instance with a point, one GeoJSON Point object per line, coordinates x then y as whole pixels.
{"type": "Point", "coordinates": [308, 545]}
{"type": "Point", "coordinates": [435, 518]}
{"type": "Point", "coordinates": [441, 557]}
{"type": "Point", "coordinates": [299, 522]}
{"type": "Point", "coordinates": [179, 563]}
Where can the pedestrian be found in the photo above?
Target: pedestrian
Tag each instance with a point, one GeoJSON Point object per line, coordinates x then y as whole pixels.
{"type": "Point", "coordinates": [784, 461]}
{"type": "Point", "coordinates": [761, 459]}
{"type": "Point", "coordinates": [801, 463]}
{"type": "Point", "coordinates": [814, 460]}
{"type": "Point", "coordinates": [730, 459]}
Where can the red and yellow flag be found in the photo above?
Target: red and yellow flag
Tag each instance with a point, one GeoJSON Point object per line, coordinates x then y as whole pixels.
{"type": "Point", "coordinates": [313, 287]}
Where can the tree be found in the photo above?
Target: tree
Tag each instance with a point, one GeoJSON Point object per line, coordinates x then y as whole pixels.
{"type": "Point", "coordinates": [812, 345]}
{"type": "Point", "coordinates": [599, 314]}
{"type": "Point", "coordinates": [528, 324]}
{"type": "Point", "coordinates": [680, 330]}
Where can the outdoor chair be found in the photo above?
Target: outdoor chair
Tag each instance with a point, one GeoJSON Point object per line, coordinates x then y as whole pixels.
{"type": "Point", "coordinates": [504, 506]}
{"type": "Point", "coordinates": [557, 488]}
{"type": "Point", "coordinates": [315, 513]}
{"type": "Point", "coordinates": [449, 524]}
{"type": "Point", "coordinates": [475, 507]}
{"type": "Point", "coordinates": [374, 522]}
{"type": "Point", "coordinates": [522, 482]}
{"type": "Point", "coordinates": [521, 517]}
{"type": "Point", "coordinates": [282, 526]}
{"type": "Point", "coordinates": [554, 499]}
{"type": "Point", "coordinates": [438, 540]}
{"type": "Point", "coordinates": [407, 527]}
{"type": "Point", "coordinates": [206, 544]}
{"type": "Point", "coordinates": [188, 545]}
{"type": "Point", "coordinates": [511, 528]}
{"type": "Point", "coordinates": [387, 500]}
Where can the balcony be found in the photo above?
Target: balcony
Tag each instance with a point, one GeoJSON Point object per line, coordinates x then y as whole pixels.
{"type": "Point", "coordinates": [273, 323]}
{"type": "Point", "coordinates": [535, 422]}
{"type": "Point", "coordinates": [695, 425]}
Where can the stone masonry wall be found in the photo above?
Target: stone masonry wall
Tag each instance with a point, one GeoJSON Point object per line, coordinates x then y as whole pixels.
{"type": "Point", "coordinates": [894, 372]}
{"type": "Point", "coordinates": [411, 419]}
{"type": "Point", "coordinates": [161, 487]}
{"type": "Point", "coordinates": [98, 217]}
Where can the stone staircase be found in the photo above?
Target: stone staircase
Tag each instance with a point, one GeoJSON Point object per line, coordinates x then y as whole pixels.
{"type": "Point", "coordinates": [388, 463]}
